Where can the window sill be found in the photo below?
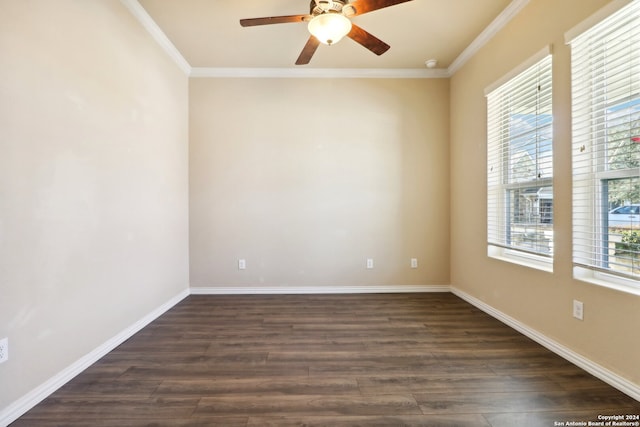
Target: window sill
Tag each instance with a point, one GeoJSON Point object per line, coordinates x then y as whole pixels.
{"type": "Point", "coordinates": [607, 280]}
{"type": "Point", "coordinates": [521, 258]}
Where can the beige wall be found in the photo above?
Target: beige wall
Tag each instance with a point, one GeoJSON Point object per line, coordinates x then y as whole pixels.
{"type": "Point", "coordinates": [542, 301]}
{"type": "Point", "coordinates": [306, 178]}
{"type": "Point", "coordinates": [93, 182]}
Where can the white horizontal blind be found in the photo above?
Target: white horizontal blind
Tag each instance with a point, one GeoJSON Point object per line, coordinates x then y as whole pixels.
{"type": "Point", "coordinates": [520, 162]}
{"type": "Point", "coordinates": [605, 65]}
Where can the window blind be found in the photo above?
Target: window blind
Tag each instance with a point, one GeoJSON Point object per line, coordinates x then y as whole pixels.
{"type": "Point", "coordinates": [520, 162]}
{"type": "Point", "coordinates": [605, 66]}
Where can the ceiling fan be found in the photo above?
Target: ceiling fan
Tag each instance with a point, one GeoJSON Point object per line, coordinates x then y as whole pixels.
{"type": "Point", "coordinates": [329, 21]}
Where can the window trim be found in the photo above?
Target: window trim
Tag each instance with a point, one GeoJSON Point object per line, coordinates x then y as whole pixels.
{"type": "Point", "coordinates": [606, 279]}
{"type": "Point", "coordinates": [601, 14]}
{"type": "Point", "coordinates": [521, 257]}
{"type": "Point", "coordinates": [585, 266]}
{"type": "Point", "coordinates": [494, 250]}
{"type": "Point", "coordinates": [529, 62]}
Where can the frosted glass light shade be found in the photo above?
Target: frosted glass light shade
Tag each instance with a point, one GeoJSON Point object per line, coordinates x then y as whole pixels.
{"type": "Point", "coordinates": [329, 28]}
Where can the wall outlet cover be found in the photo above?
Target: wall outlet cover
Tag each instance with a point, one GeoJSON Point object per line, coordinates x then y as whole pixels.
{"type": "Point", "coordinates": [578, 309]}
{"type": "Point", "coordinates": [4, 350]}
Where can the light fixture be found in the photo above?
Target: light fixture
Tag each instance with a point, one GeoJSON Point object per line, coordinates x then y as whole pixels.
{"type": "Point", "coordinates": [329, 27]}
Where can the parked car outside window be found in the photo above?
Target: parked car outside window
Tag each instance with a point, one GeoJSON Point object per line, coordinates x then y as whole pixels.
{"type": "Point", "coordinates": [625, 216]}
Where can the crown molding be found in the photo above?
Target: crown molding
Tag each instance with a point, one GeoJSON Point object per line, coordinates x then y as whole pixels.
{"type": "Point", "coordinates": [158, 35]}
{"type": "Point", "coordinates": [376, 73]}
{"type": "Point", "coordinates": [319, 73]}
{"type": "Point", "coordinates": [487, 34]}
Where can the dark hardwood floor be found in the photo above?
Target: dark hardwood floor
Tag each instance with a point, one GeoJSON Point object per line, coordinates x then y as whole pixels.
{"type": "Point", "coordinates": [329, 360]}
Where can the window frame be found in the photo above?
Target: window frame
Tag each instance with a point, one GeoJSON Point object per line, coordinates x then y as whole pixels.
{"type": "Point", "coordinates": [501, 185]}
{"type": "Point", "coordinates": [596, 94]}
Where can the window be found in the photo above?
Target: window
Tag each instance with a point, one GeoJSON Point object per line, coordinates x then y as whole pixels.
{"type": "Point", "coordinates": [605, 65]}
{"type": "Point", "coordinates": [520, 165]}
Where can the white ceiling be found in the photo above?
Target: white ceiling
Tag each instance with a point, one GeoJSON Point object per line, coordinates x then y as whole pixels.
{"type": "Point", "coordinates": [207, 33]}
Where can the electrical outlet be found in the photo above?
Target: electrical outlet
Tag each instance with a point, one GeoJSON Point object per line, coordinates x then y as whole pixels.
{"type": "Point", "coordinates": [369, 263]}
{"type": "Point", "coordinates": [4, 350]}
{"type": "Point", "coordinates": [578, 309]}
{"type": "Point", "coordinates": [242, 264]}
{"type": "Point", "coordinates": [414, 262]}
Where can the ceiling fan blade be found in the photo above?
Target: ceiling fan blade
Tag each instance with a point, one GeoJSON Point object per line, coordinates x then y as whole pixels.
{"type": "Point", "coordinates": [366, 6]}
{"type": "Point", "coordinates": [252, 22]}
{"type": "Point", "coordinates": [308, 51]}
{"type": "Point", "coordinates": [367, 40]}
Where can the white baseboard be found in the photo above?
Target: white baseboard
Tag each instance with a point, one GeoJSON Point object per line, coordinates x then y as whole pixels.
{"type": "Point", "coordinates": [611, 378]}
{"type": "Point", "coordinates": [257, 290]}
{"type": "Point", "coordinates": [24, 404]}
{"type": "Point", "coordinates": [37, 395]}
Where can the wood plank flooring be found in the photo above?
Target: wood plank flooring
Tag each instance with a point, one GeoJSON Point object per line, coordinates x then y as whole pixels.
{"type": "Point", "coordinates": [329, 360]}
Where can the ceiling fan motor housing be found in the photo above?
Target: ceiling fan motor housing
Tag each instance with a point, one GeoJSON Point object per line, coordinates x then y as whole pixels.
{"type": "Point", "coordinates": [318, 7]}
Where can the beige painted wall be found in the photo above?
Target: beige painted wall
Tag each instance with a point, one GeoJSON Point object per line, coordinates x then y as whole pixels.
{"type": "Point", "coordinates": [543, 301]}
{"type": "Point", "coordinates": [305, 179]}
{"type": "Point", "coordinates": [93, 182]}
